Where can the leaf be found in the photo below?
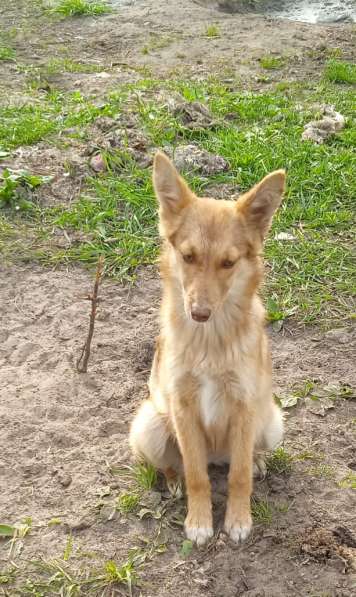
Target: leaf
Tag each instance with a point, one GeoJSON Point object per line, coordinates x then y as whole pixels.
{"type": "Point", "coordinates": [186, 548]}
{"type": "Point", "coordinates": [147, 512]}
{"type": "Point", "coordinates": [288, 401]}
{"type": "Point", "coordinates": [318, 406]}
{"type": "Point", "coordinates": [7, 530]}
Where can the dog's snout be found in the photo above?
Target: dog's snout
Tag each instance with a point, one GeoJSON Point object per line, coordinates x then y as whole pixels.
{"type": "Point", "coordinates": [200, 314]}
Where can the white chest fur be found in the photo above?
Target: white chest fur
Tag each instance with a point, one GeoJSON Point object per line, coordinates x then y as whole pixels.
{"type": "Point", "coordinates": [212, 401]}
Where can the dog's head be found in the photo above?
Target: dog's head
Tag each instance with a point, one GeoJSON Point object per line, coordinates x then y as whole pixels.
{"type": "Point", "coordinates": [214, 246]}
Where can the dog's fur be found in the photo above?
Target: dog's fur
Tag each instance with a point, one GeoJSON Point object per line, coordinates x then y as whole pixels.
{"type": "Point", "coordinates": [210, 385]}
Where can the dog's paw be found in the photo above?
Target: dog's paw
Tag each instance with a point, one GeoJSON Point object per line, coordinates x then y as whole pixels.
{"type": "Point", "coordinates": [238, 527]}
{"type": "Point", "coordinates": [259, 467]}
{"type": "Point", "coordinates": [199, 535]}
{"type": "Point", "coordinates": [175, 487]}
{"type": "Point", "coordinates": [238, 532]}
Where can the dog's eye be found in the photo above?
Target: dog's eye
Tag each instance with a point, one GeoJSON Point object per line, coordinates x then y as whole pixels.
{"type": "Point", "coordinates": [227, 264]}
{"type": "Point", "coordinates": [189, 258]}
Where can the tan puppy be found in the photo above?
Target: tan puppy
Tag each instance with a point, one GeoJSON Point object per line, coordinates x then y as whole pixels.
{"type": "Point", "coordinates": [210, 385]}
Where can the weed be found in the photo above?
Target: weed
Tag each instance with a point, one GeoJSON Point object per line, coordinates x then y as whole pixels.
{"type": "Point", "coordinates": [308, 455]}
{"type": "Point", "coordinates": [279, 462]}
{"type": "Point", "coordinates": [145, 475]}
{"type": "Point", "coordinates": [59, 65]}
{"type": "Point", "coordinates": [68, 548]}
{"type": "Point", "coordinates": [212, 31]}
{"type": "Point", "coordinates": [348, 482]}
{"type": "Point", "coordinates": [54, 522]}
{"type": "Point", "coordinates": [321, 471]}
{"type": "Point", "coordinates": [121, 574]}
{"type": "Point", "coordinates": [303, 390]}
{"type": "Point", "coordinates": [261, 511]}
{"type": "Point", "coordinates": [15, 187]}
{"type": "Point", "coordinates": [272, 62]}
{"type": "Point", "coordinates": [338, 71]}
{"type": "Point", "coordinates": [156, 42]}
{"type": "Point", "coordinates": [127, 502]}
{"type": "Point", "coordinates": [75, 8]}
{"type": "Point", "coordinates": [7, 53]}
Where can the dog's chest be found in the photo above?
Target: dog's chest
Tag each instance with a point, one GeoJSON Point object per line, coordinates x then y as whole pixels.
{"type": "Point", "coordinates": [215, 400]}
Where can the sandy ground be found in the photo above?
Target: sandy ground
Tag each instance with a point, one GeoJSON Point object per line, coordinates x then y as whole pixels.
{"type": "Point", "coordinates": [62, 431]}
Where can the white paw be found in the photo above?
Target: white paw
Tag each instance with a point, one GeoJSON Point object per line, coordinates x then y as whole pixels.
{"type": "Point", "coordinates": [199, 535]}
{"type": "Point", "coordinates": [175, 488]}
{"type": "Point", "coordinates": [259, 468]}
{"type": "Point", "coordinates": [238, 532]}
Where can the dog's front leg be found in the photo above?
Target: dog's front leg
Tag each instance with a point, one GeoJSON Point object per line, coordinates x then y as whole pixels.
{"type": "Point", "coordinates": [192, 443]}
{"type": "Point", "coordinates": [238, 521]}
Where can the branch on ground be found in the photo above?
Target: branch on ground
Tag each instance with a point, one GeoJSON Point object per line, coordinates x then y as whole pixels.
{"type": "Point", "coordinates": [82, 362]}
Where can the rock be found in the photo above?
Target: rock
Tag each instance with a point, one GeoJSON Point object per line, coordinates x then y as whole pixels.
{"type": "Point", "coordinates": [340, 335]}
{"type": "Point", "coordinates": [64, 479]}
{"type": "Point", "coordinates": [319, 131]}
{"type": "Point", "coordinates": [97, 163]}
{"type": "Point", "coordinates": [193, 159]}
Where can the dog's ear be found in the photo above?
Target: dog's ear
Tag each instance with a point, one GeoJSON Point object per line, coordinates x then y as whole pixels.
{"type": "Point", "coordinates": [259, 204]}
{"type": "Point", "coordinates": [171, 190]}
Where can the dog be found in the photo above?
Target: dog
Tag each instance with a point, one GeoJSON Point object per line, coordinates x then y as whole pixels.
{"type": "Point", "coordinates": [210, 384]}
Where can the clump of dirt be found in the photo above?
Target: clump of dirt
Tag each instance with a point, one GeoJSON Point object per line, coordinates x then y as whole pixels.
{"type": "Point", "coordinates": [194, 115]}
{"type": "Point", "coordinates": [324, 545]}
{"type": "Point", "coordinates": [319, 131]}
{"type": "Point", "coordinates": [190, 158]}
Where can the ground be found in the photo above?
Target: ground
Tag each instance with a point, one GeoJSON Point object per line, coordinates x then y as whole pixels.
{"type": "Point", "coordinates": [81, 519]}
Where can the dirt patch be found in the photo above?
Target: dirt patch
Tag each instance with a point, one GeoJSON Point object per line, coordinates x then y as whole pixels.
{"type": "Point", "coordinates": [62, 433]}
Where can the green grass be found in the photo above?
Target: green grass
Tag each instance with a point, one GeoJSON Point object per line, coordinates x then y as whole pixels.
{"type": "Point", "coordinates": [212, 31]}
{"type": "Point", "coordinates": [7, 53]}
{"type": "Point", "coordinates": [310, 277]}
{"type": "Point", "coordinates": [338, 71]}
{"type": "Point", "coordinates": [76, 8]}
{"type": "Point", "coordinates": [127, 502]}
{"type": "Point", "coordinates": [279, 462]}
{"type": "Point", "coordinates": [262, 512]}
{"type": "Point", "coordinates": [272, 62]}
{"type": "Point", "coordinates": [348, 482]}
{"type": "Point", "coordinates": [156, 42]}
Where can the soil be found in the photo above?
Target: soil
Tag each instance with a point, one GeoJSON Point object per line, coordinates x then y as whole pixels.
{"type": "Point", "coordinates": [62, 432]}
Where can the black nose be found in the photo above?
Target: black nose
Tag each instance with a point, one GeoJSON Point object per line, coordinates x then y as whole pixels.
{"type": "Point", "coordinates": [200, 314]}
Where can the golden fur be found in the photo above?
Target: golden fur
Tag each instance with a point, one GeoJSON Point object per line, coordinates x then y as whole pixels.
{"type": "Point", "coordinates": [210, 385]}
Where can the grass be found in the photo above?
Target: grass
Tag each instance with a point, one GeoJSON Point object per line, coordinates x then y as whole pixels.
{"type": "Point", "coordinates": [348, 482]}
{"type": "Point", "coordinates": [212, 31]}
{"type": "Point", "coordinates": [338, 71]}
{"type": "Point", "coordinates": [7, 53]}
{"type": "Point", "coordinates": [156, 42]}
{"type": "Point", "coordinates": [279, 462]}
{"type": "Point", "coordinates": [322, 471]}
{"type": "Point", "coordinates": [127, 502]}
{"type": "Point", "coordinates": [272, 62]}
{"type": "Point", "coordinates": [76, 8]}
{"type": "Point", "coordinates": [309, 277]}
{"type": "Point", "coordinates": [261, 511]}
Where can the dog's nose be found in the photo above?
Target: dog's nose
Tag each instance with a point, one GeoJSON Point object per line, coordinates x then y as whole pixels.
{"type": "Point", "coordinates": [200, 314]}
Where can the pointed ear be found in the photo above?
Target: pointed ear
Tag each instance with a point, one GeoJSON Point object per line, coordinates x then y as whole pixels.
{"type": "Point", "coordinates": [259, 204]}
{"type": "Point", "coordinates": [171, 190]}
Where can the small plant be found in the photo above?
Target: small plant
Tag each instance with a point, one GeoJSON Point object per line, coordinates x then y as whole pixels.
{"type": "Point", "coordinates": [212, 31]}
{"type": "Point", "coordinates": [273, 311]}
{"type": "Point", "coordinates": [348, 482]}
{"type": "Point", "coordinates": [279, 462]}
{"type": "Point", "coordinates": [261, 511]}
{"type": "Point", "coordinates": [127, 502]}
{"type": "Point", "coordinates": [272, 62]}
{"type": "Point", "coordinates": [145, 475]}
{"type": "Point", "coordinates": [156, 42]}
{"type": "Point", "coordinates": [16, 185]}
{"type": "Point", "coordinates": [76, 8]}
{"type": "Point", "coordinates": [123, 574]}
{"type": "Point", "coordinates": [7, 53]}
{"type": "Point", "coordinates": [338, 71]}
{"type": "Point", "coordinates": [68, 548]}
{"type": "Point", "coordinates": [321, 471]}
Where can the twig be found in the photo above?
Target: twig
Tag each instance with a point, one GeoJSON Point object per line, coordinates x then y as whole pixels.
{"type": "Point", "coordinates": [82, 362]}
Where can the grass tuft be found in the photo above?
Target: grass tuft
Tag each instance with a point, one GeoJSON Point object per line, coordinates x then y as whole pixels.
{"type": "Point", "coordinates": [127, 502]}
{"type": "Point", "coordinates": [338, 71]}
{"type": "Point", "coordinates": [76, 8]}
{"type": "Point", "coordinates": [212, 31]}
{"type": "Point", "coordinates": [279, 462]}
{"type": "Point", "coordinates": [7, 53]}
{"type": "Point", "coordinates": [272, 62]}
{"type": "Point", "coordinates": [261, 511]}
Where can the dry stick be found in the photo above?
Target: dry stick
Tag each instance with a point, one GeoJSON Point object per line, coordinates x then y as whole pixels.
{"type": "Point", "coordinates": [85, 354]}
